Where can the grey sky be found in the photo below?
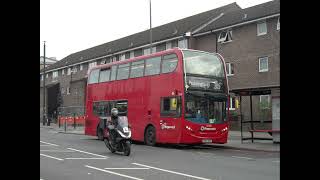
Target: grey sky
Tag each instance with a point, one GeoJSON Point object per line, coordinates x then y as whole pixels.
{"type": "Point", "coordinates": [69, 26]}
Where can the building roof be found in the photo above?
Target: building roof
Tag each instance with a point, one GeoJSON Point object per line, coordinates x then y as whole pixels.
{"type": "Point", "coordinates": [166, 31]}
{"type": "Point", "coordinates": [243, 15]}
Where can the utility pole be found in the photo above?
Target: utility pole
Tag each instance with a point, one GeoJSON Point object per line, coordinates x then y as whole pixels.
{"type": "Point", "coordinates": [44, 84]}
{"type": "Point", "coordinates": [150, 30]}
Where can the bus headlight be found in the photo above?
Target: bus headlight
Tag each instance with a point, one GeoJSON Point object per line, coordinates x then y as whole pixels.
{"type": "Point", "coordinates": [224, 129]}
{"type": "Point", "coordinates": [189, 128]}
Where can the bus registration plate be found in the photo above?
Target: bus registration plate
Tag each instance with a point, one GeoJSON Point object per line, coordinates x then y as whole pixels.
{"type": "Point", "coordinates": [207, 140]}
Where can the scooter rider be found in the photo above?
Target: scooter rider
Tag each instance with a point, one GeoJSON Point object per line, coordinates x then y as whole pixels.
{"type": "Point", "coordinates": [114, 120]}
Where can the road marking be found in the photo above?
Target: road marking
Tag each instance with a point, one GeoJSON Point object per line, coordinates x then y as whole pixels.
{"type": "Point", "coordinates": [48, 150]}
{"type": "Point", "coordinates": [48, 143]}
{"type": "Point", "coordinates": [123, 175]}
{"type": "Point", "coordinates": [241, 157]}
{"type": "Point", "coordinates": [87, 152]}
{"type": "Point", "coordinates": [85, 158]}
{"type": "Point", "coordinates": [51, 157]}
{"type": "Point", "coordinates": [276, 161]}
{"type": "Point", "coordinates": [126, 168]}
{"type": "Point", "coordinates": [173, 172]}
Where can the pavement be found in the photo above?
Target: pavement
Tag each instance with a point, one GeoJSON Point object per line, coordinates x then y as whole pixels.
{"type": "Point", "coordinates": [234, 141]}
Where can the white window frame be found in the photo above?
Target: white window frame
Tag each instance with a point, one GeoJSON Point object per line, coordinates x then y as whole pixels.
{"type": "Point", "coordinates": [146, 51]}
{"type": "Point", "coordinates": [69, 71]}
{"type": "Point", "coordinates": [47, 75]}
{"type": "Point", "coordinates": [42, 77]}
{"type": "Point", "coordinates": [54, 75]}
{"type": "Point", "coordinates": [278, 23]}
{"type": "Point", "coordinates": [258, 27]}
{"type": "Point", "coordinates": [81, 67]}
{"type": "Point", "coordinates": [183, 43]}
{"type": "Point", "coordinates": [231, 105]}
{"type": "Point", "coordinates": [263, 70]}
{"type": "Point", "coordinates": [74, 69]}
{"type": "Point", "coordinates": [224, 38]}
{"type": "Point", "coordinates": [92, 64]}
{"type": "Point", "coordinates": [62, 72]}
{"type": "Point", "coordinates": [68, 90]}
{"type": "Point", "coordinates": [168, 45]}
{"type": "Point", "coordinates": [229, 66]}
{"type": "Point", "coordinates": [131, 54]}
{"type": "Point", "coordinates": [122, 56]}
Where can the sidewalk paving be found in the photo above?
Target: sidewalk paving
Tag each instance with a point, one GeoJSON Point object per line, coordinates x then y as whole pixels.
{"type": "Point", "coordinates": [234, 141]}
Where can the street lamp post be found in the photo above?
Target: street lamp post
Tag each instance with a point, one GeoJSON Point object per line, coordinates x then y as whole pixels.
{"type": "Point", "coordinates": [44, 84]}
{"type": "Point", "coordinates": [150, 29]}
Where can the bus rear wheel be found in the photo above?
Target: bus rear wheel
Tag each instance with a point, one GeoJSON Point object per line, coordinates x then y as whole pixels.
{"type": "Point", "coordinates": [150, 136]}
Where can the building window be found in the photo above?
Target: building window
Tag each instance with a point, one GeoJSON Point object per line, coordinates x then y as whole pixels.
{"type": "Point", "coordinates": [131, 54]}
{"type": "Point", "coordinates": [168, 45]}
{"type": "Point", "coordinates": [54, 75]}
{"type": "Point", "coordinates": [225, 36]}
{"type": "Point", "coordinates": [230, 69]}
{"type": "Point", "coordinates": [146, 51]}
{"type": "Point", "coordinates": [62, 71]}
{"type": "Point", "coordinates": [232, 103]}
{"type": "Point", "coordinates": [183, 44]}
{"type": "Point", "coordinates": [261, 28]}
{"type": "Point", "coordinates": [92, 64]}
{"type": "Point", "coordinates": [62, 90]}
{"type": "Point", "coordinates": [74, 69]}
{"type": "Point", "coordinates": [263, 64]}
{"type": "Point", "coordinates": [47, 75]}
{"type": "Point", "coordinates": [278, 24]}
{"type": "Point", "coordinates": [122, 56]}
{"type": "Point", "coordinates": [68, 90]}
{"type": "Point", "coordinates": [264, 101]}
{"type": "Point", "coordinates": [127, 55]}
{"type": "Point", "coordinates": [81, 67]}
{"type": "Point", "coordinates": [69, 71]}
{"type": "Point", "coordinates": [41, 77]}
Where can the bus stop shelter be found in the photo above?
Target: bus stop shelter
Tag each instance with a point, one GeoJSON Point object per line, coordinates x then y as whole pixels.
{"type": "Point", "coordinates": [250, 93]}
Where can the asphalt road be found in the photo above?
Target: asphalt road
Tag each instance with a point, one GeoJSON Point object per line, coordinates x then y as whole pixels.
{"type": "Point", "coordinates": [79, 157]}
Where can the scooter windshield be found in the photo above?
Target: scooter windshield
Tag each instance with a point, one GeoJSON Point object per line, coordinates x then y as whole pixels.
{"type": "Point", "coordinates": [123, 121]}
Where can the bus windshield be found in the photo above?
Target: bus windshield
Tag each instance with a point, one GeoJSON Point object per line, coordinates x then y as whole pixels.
{"type": "Point", "coordinates": [205, 109]}
{"type": "Point", "coordinates": [201, 63]}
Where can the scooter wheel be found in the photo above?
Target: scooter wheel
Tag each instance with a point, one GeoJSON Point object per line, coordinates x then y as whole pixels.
{"type": "Point", "coordinates": [127, 148]}
{"type": "Point", "coordinates": [109, 146]}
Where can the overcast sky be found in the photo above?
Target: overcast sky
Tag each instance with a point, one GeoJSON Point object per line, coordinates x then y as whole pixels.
{"type": "Point", "coordinates": [69, 26]}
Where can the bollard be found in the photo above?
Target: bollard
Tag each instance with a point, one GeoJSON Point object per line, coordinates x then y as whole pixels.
{"type": "Point", "coordinates": [65, 125]}
{"type": "Point", "coordinates": [74, 121]}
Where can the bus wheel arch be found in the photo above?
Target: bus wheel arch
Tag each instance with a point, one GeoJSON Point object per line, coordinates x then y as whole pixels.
{"type": "Point", "coordinates": [150, 135]}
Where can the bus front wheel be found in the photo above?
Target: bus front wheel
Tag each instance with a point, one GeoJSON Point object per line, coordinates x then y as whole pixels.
{"type": "Point", "coordinates": [100, 134]}
{"type": "Point", "coordinates": [150, 136]}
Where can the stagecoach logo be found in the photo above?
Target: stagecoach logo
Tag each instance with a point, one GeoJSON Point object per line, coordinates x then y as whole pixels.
{"type": "Point", "coordinates": [164, 126]}
{"type": "Point", "coordinates": [203, 128]}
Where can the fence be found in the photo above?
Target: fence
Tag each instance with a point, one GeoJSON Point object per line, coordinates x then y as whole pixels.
{"type": "Point", "coordinates": [71, 117]}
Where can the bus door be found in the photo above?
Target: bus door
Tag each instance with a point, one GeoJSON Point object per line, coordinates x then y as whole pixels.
{"type": "Point", "coordinates": [170, 119]}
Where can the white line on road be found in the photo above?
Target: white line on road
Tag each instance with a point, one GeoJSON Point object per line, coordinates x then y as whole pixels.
{"type": "Point", "coordinates": [51, 157]}
{"type": "Point", "coordinates": [123, 175]}
{"type": "Point", "coordinates": [241, 157]}
{"type": "Point", "coordinates": [126, 168]}
{"type": "Point", "coordinates": [48, 143]}
{"type": "Point", "coordinates": [276, 161]}
{"type": "Point", "coordinates": [85, 158]}
{"type": "Point", "coordinates": [182, 174]}
{"type": "Point", "coordinates": [49, 150]}
{"type": "Point", "coordinates": [87, 152]}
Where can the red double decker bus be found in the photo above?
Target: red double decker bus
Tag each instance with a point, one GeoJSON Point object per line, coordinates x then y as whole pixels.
{"type": "Point", "coordinates": [175, 96]}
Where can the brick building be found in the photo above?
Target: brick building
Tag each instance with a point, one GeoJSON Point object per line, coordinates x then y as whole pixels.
{"type": "Point", "coordinates": [248, 39]}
